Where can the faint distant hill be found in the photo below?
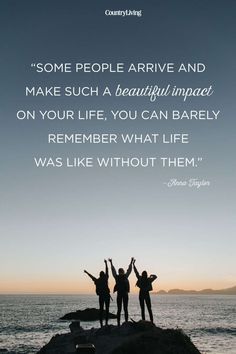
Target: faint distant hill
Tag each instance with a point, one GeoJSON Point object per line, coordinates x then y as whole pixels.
{"type": "Point", "coordinates": [228, 291]}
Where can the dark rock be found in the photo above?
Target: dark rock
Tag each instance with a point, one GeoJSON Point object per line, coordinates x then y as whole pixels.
{"type": "Point", "coordinates": [89, 314]}
{"type": "Point", "coordinates": [158, 341]}
{"type": "Point", "coordinates": [131, 338]}
{"type": "Point", "coordinates": [75, 327]}
{"type": "Point", "coordinates": [59, 344]}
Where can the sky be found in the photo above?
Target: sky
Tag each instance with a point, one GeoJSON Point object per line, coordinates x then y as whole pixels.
{"type": "Point", "coordinates": [56, 222]}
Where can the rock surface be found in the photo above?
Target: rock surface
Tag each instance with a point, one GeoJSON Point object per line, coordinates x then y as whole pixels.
{"type": "Point", "coordinates": [89, 314]}
{"type": "Point", "coordinates": [131, 338]}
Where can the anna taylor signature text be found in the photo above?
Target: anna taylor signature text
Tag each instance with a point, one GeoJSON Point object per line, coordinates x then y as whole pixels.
{"type": "Point", "coordinates": [191, 183]}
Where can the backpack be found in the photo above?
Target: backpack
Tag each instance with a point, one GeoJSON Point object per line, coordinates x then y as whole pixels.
{"type": "Point", "coordinates": [102, 286]}
{"type": "Point", "coordinates": [122, 284]}
{"type": "Point", "coordinates": [144, 284]}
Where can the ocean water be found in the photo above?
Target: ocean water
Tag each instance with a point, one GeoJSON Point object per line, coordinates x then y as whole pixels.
{"type": "Point", "coordinates": [27, 322]}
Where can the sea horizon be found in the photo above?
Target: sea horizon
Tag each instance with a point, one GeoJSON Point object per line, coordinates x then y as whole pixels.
{"type": "Point", "coordinates": [154, 292]}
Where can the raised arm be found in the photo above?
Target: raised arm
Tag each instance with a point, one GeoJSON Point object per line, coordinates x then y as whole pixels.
{"type": "Point", "coordinates": [106, 268]}
{"type": "Point", "coordinates": [90, 275]}
{"type": "Point", "coordinates": [129, 270]}
{"type": "Point", "coordinates": [113, 269]}
{"type": "Point", "coordinates": [135, 269]}
{"type": "Point", "coordinates": [153, 277]}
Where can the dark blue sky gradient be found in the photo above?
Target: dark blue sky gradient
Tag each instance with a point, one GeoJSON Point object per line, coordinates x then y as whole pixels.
{"type": "Point", "coordinates": [81, 216]}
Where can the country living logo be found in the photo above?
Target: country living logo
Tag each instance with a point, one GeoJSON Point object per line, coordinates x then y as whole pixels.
{"type": "Point", "coordinates": [123, 13]}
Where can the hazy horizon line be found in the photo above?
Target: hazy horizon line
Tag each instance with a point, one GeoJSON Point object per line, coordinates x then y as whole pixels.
{"type": "Point", "coordinates": [92, 293]}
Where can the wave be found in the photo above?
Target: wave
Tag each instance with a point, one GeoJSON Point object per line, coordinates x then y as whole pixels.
{"type": "Point", "coordinates": [216, 330]}
{"type": "Point", "coordinates": [13, 329]}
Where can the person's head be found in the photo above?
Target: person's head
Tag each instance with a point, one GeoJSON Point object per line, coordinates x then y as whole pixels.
{"type": "Point", "coordinates": [144, 274]}
{"type": "Point", "coordinates": [121, 271]}
{"type": "Point", "coordinates": [102, 274]}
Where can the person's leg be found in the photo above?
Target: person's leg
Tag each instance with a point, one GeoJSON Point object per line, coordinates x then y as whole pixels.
{"type": "Point", "coordinates": [107, 305]}
{"type": "Point", "coordinates": [149, 306]}
{"type": "Point", "coordinates": [141, 302]}
{"type": "Point", "coordinates": [119, 304]}
{"type": "Point", "coordinates": [101, 308]}
{"type": "Point", "coordinates": [125, 304]}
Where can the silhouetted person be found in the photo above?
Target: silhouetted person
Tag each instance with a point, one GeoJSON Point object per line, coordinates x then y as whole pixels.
{"type": "Point", "coordinates": [103, 292]}
{"type": "Point", "coordinates": [122, 287]}
{"type": "Point", "coordinates": [145, 285]}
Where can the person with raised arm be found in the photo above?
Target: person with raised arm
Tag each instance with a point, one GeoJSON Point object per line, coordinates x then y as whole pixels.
{"type": "Point", "coordinates": [122, 288]}
{"type": "Point", "coordinates": [103, 292]}
{"type": "Point", "coordinates": [145, 286]}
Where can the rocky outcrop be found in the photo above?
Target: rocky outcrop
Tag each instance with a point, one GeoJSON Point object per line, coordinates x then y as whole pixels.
{"type": "Point", "coordinates": [131, 338]}
{"type": "Point", "coordinates": [89, 314]}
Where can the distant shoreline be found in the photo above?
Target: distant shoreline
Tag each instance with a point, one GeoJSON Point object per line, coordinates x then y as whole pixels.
{"type": "Point", "coordinates": [228, 291]}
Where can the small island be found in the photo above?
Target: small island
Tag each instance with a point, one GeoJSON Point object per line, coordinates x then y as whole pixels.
{"type": "Point", "coordinates": [87, 315]}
